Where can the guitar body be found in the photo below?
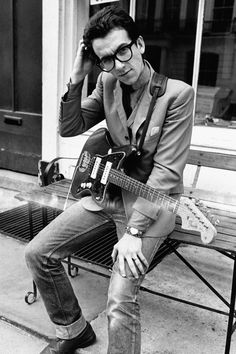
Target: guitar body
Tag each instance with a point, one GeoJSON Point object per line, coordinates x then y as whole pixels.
{"type": "Point", "coordinates": [87, 177]}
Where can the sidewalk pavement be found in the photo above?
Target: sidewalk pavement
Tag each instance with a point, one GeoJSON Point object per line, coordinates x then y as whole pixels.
{"type": "Point", "coordinates": [168, 327]}
{"type": "Point", "coordinates": [14, 340]}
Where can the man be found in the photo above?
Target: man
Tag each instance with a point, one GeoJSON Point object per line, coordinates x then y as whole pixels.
{"type": "Point", "coordinates": [112, 41]}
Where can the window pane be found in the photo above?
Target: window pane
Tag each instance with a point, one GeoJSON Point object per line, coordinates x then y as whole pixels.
{"type": "Point", "coordinates": [216, 94]}
{"type": "Point", "coordinates": [28, 56]}
{"type": "Point", "coordinates": [169, 30]}
{"type": "Point", "coordinates": [6, 64]}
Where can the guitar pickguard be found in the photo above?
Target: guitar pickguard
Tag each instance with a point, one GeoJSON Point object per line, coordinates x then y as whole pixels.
{"type": "Point", "coordinates": [89, 176]}
{"type": "Point", "coordinates": [95, 178]}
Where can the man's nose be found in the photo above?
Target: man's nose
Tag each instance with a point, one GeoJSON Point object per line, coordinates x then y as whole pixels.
{"type": "Point", "coordinates": [118, 64]}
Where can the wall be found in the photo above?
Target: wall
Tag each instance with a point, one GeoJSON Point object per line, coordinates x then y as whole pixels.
{"type": "Point", "coordinates": [63, 22]}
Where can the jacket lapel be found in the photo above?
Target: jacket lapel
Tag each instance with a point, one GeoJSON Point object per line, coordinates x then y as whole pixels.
{"type": "Point", "coordinates": [141, 112]}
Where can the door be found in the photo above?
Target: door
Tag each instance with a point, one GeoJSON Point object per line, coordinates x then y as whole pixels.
{"type": "Point", "coordinates": [20, 85]}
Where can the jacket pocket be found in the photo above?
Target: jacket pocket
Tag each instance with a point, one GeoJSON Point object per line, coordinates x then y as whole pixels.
{"type": "Point", "coordinates": [153, 138]}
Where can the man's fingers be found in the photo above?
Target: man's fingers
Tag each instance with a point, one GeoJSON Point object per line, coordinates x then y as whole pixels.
{"type": "Point", "coordinates": [132, 266]}
{"type": "Point", "coordinates": [143, 259]}
{"type": "Point", "coordinates": [139, 264]}
{"type": "Point", "coordinates": [114, 254]}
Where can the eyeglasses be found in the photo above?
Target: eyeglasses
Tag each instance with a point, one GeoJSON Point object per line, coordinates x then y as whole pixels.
{"type": "Point", "coordinates": [123, 54]}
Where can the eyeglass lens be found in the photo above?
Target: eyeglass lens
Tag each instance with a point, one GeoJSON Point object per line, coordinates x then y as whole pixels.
{"type": "Point", "coordinates": [123, 54]}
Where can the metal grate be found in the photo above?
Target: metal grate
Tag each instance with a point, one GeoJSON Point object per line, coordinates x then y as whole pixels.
{"type": "Point", "coordinates": [98, 251]}
{"type": "Point", "coordinates": [24, 222]}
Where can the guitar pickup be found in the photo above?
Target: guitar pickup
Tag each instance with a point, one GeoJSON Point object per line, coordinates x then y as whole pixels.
{"type": "Point", "coordinates": [106, 172]}
{"type": "Point", "coordinates": [96, 167]}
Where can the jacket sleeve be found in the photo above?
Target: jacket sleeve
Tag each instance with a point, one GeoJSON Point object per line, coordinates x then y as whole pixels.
{"type": "Point", "coordinates": [170, 157]}
{"type": "Point", "coordinates": [76, 117]}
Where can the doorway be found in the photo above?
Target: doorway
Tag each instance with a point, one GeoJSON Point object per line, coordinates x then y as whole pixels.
{"type": "Point", "coordinates": [20, 85]}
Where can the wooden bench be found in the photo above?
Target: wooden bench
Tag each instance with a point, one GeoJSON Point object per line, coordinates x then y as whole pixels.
{"type": "Point", "coordinates": [95, 257]}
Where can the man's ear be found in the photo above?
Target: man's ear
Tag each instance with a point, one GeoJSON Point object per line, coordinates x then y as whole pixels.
{"type": "Point", "coordinates": [141, 44]}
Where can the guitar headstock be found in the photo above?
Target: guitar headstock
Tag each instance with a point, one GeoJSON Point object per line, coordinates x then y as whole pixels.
{"type": "Point", "coordinates": [194, 219]}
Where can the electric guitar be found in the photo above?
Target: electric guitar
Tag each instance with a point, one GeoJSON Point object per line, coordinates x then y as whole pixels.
{"type": "Point", "coordinates": [95, 172]}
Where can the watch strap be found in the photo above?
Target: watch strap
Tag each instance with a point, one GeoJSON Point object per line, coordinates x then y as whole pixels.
{"type": "Point", "coordinates": [133, 231]}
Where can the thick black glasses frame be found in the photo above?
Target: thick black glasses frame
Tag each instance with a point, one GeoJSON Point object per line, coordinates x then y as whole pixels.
{"type": "Point", "coordinates": [114, 56]}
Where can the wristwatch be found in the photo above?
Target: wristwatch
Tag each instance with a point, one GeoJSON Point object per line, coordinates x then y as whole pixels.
{"type": "Point", "coordinates": [130, 230]}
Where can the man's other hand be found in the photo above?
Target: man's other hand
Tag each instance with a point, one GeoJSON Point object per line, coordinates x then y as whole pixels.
{"type": "Point", "coordinates": [129, 249]}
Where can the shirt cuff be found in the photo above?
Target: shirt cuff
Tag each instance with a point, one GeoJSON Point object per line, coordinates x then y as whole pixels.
{"type": "Point", "coordinates": [146, 208]}
{"type": "Point", "coordinates": [73, 91]}
{"type": "Point", "coordinates": [139, 221]}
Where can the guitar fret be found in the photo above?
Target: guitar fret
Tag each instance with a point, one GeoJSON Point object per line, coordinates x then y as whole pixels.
{"type": "Point", "coordinates": [143, 190]}
{"type": "Point", "coordinates": [176, 206]}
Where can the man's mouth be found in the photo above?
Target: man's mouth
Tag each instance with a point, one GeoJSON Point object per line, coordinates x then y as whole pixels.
{"type": "Point", "coordinates": [124, 74]}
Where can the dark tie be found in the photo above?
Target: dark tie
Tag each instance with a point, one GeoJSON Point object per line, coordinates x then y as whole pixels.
{"type": "Point", "coordinates": [126, 91]}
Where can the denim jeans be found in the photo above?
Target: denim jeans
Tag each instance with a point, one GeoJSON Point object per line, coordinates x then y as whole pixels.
{"type": "Point", "coordinates": [62, 237]}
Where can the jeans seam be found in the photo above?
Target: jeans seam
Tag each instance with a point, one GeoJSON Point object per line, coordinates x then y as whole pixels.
{"type": "Point", "coordinates": [51, 253]}
{"type": "Point", "coordinates": [161, 239]}
{"type": "Point", "coordinates": [133, 342]}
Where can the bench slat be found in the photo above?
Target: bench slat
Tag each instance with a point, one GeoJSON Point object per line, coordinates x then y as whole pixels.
{"type": "Point", "coordinates": [221, 243]}
{"type": "Point", "coordinates": [212, 159]}
{"type": "Point", "coordinates": [211, 196]}
{"type": "Point", "coordinates": [45, 199]}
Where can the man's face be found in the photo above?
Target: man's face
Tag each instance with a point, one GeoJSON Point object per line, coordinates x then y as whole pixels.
{"type": "Point", "coordinates": [127, 72]}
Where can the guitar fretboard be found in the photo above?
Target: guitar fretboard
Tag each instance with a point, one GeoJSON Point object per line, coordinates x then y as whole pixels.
{"type": "Point", "coordinates": [143, 190]}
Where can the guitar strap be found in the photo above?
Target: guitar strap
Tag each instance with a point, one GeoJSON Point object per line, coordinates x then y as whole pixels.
{"type": "Point", "coordinates": [157, 89]}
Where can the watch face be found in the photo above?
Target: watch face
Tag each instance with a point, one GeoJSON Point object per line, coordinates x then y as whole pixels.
{"type": "Point", "coordinates": [133, 231]}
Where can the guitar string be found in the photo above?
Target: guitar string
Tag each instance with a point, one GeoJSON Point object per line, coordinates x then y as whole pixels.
{"type": "Point", "coordinates": [178, 206]}
{"type": "Point", "coordinates": [160, 196]}
{"type": "Point", "coordinates": [157, 194]}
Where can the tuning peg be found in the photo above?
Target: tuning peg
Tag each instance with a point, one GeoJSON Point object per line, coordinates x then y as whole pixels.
{"type": "Point", "coordinates": [197, 201]}
{"type": "Point", "coordinates": [204, 209]}
{"type": "Point", "coordinates": [217, 222]}
{"type": "Point", "coordinates": [200, 204]}
{"type": "Point", "coordinates": [212, 218]}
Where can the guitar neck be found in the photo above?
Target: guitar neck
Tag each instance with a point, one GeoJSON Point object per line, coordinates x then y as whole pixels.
{"type": "Point", "coordinates": [142, 190]}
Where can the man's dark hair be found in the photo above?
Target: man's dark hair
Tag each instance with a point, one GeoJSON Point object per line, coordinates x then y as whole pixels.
{"type": "Point", "coordinates": [100, 24]}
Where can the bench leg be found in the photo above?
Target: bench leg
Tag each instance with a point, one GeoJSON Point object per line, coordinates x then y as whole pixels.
{"type": "Point", "coordinates": [73, 271]}
{"type": "Point", "coordinates": [31, 296]}
{"type": "Point", "coordinates": [231, 311]}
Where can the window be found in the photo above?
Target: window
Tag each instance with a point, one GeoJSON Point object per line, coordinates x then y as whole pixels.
{"type": "Point", "coordinates": [207, 71]}
{"type": "Point", "coordinates": [171, 18]}
{"type": "Point", "coordinates": [222, 15]}
{"type": "Point", "coordinates": [216, 94]}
